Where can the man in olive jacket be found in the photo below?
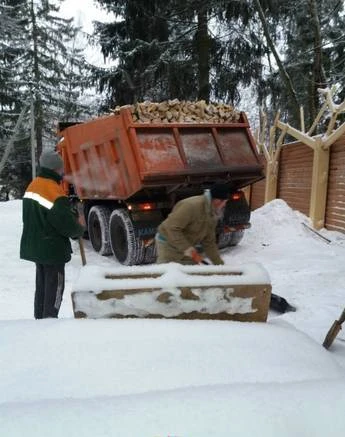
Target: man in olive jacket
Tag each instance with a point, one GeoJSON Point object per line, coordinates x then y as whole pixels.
{"type": "Point", "coordinates": [48, 223]}
{"type": "Point", "coordinates": [192, 221]}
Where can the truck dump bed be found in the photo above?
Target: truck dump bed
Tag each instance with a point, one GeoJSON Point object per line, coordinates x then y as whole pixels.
{"type": "Point", "coordinates": [113, 157]}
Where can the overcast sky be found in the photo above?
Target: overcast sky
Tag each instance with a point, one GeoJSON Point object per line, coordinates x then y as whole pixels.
{"type": "Point", "coordinates": [84, 13]}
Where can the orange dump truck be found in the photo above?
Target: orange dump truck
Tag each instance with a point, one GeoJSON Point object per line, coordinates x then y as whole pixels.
{"type": "Point", "coordinates": [128, 175]}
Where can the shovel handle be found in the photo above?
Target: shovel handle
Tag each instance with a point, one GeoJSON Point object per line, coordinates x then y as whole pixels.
{"type": "Point", "coordinates": [342, 317]}
{"type": "Point", "coordinates": [331, 334]}
{"type": "Point", "coordinates": [82, 251]}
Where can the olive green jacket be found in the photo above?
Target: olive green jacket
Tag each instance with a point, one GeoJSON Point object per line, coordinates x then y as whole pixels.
{"type": "Point", "coordinates": [48, 221]}
{"type": "Point", "coordinates": [191, 222]}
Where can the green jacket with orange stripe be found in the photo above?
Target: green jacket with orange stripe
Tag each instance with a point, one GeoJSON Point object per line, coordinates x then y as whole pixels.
{"type": "Point", "coordinates": [48, 221]}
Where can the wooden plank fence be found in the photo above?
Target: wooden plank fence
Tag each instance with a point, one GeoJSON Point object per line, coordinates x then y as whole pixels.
{"type": "Point", "coordinates": [335, 207]}
{"type": "Point", "coordinates": [295, 173]}
{"type": "Point", "coordinates": [257, 191]}
{"type": "Point", "coordinates": [295, 179]}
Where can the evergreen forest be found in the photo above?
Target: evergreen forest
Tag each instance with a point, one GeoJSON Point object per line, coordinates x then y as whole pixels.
{"type": "Point", "coordinates": [270, 54]}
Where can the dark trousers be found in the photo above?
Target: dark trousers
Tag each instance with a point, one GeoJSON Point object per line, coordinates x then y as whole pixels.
{"type": "Point", "coordinates": [50, 284]}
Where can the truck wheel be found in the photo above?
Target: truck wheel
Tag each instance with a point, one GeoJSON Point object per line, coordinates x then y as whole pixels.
{"type": "Point", "coordinates": [236, 237]}
{"type": "Point", "coordinates": [124, 243]}
{"type": "Point", "coordinates": [224, 240]}
{"type": "Point", "coordinates": [230, 239]}
{"type": "Point", "coordinates": [98, 229]}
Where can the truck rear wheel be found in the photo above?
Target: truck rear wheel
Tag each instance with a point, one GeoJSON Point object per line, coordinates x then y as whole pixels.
{"type": "Point", "coordinates": [98, 229]}
{"type": "Point", "coordinates": [229, 239]}
{"type": "Point", "coordinates": [124, 242]}
{"type": "Point", "coordinates": [223, 240]}
{"type": "Point", "coordinates": [236, 237]}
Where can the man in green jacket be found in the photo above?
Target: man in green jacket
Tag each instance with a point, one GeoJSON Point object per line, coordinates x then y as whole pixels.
{"type": "Point", "coordinates": [191, 222]}
{"type": "Point", "coordinates": [48, 223]}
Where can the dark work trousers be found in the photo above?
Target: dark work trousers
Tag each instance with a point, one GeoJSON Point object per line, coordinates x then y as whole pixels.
{"type": "Point", "coordinates": [50, 284]}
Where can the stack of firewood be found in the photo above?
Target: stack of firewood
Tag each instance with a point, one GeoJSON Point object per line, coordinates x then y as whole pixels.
{"type": "Point", "coordinates": [181, 111]}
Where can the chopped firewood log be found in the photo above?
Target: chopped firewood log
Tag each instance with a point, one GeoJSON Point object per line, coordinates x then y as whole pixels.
{"type": "Point", "coordinates": [176, 111]}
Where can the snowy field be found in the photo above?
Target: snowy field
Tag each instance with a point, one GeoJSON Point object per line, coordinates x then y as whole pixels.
{"type": "Point", "coordinates": [165, 378]}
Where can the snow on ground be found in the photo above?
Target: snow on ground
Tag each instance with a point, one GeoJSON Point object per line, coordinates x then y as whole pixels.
{"type": "Point", "coordinates": [160, 378]}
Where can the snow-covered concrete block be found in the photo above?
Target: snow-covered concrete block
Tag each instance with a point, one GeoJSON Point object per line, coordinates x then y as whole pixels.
{"type": "Point", "coordinates": [172, 290]}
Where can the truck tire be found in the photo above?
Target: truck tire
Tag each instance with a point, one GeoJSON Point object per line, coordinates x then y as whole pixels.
{"type": "Point", "coordinates": [229, 239]}
{"type": "Point", "coordinates": [126, 247]}
{"type": "Point", "coordinates": [223, 240]}
{"type": "Point", "coordinates": [236, 237]}
{"type": "Point", "coordinates": [98, 229]}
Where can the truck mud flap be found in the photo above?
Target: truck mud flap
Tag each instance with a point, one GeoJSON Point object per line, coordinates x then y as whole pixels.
{"type": "Point", "coordinates": [145, 226]}
{"type": "Point", "coordinates": [174, 291]}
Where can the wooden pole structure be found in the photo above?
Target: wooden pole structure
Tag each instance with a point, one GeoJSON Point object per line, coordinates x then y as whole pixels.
{"type": "Point", "coordinates": [82, 251]}
{"type": "Point", "coordinates": [302, 118]}
{"type": "Point", "coordinates": [321, 147]}
{"type": "Point", "coordinates": [319, 184]}
{"type": "Point", "coordinates": [271, 153]}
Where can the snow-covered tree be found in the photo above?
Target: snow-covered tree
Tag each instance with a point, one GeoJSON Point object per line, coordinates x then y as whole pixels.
{"type": "Point", "coordinates": [283, 49]}
{"type": "Point", "coordinates": [53, 70]}
{"type": "Point", "coordinates": [42, 63]}
{"type": "Point", "coordinates": [177, 49]}
{"type": "Point", "coordinates": [12, 45]}
{"type": "Point", "coordinates": [309, 38]}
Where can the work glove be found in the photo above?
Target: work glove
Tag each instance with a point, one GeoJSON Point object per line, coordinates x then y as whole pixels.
{"type": "Point", "coordinates": [194, 254]}
{"type": "Point", "coordinates": [75, 211]}
{"type": "Point", "coordinates": [78, 218]}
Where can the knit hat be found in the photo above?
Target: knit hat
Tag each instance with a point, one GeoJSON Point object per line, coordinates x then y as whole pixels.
{"type": "Point", "coordinates": [220, 191]}
{"type": "Point", "coordinates": [51, 160]}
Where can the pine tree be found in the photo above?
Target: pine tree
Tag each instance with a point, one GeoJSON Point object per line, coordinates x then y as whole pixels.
{"type": "Point", "coordinates": [46, 67]}
{"type": "Point", "coordinates": [176, 49]}
{"type": "Point", "coordinates": [12, 46]}
{"type": "Point", "coordinates": [312, 49]}
{"type": "Point", "coordinates": [136, 39]}
{"type": "Point", "coordinates": [10, 49]}
{"type": "Point", "coordinates": [54, 74]}
{"type": "Point", "coordinates": [285, 49]}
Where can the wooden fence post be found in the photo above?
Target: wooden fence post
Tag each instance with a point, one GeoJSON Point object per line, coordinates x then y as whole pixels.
{"type": "Point", "coordinates": [320, 144]}
{"type": "Point", "coordinates": [271, 180]}
{"type": "Point", "coordinates": [319, 185]}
